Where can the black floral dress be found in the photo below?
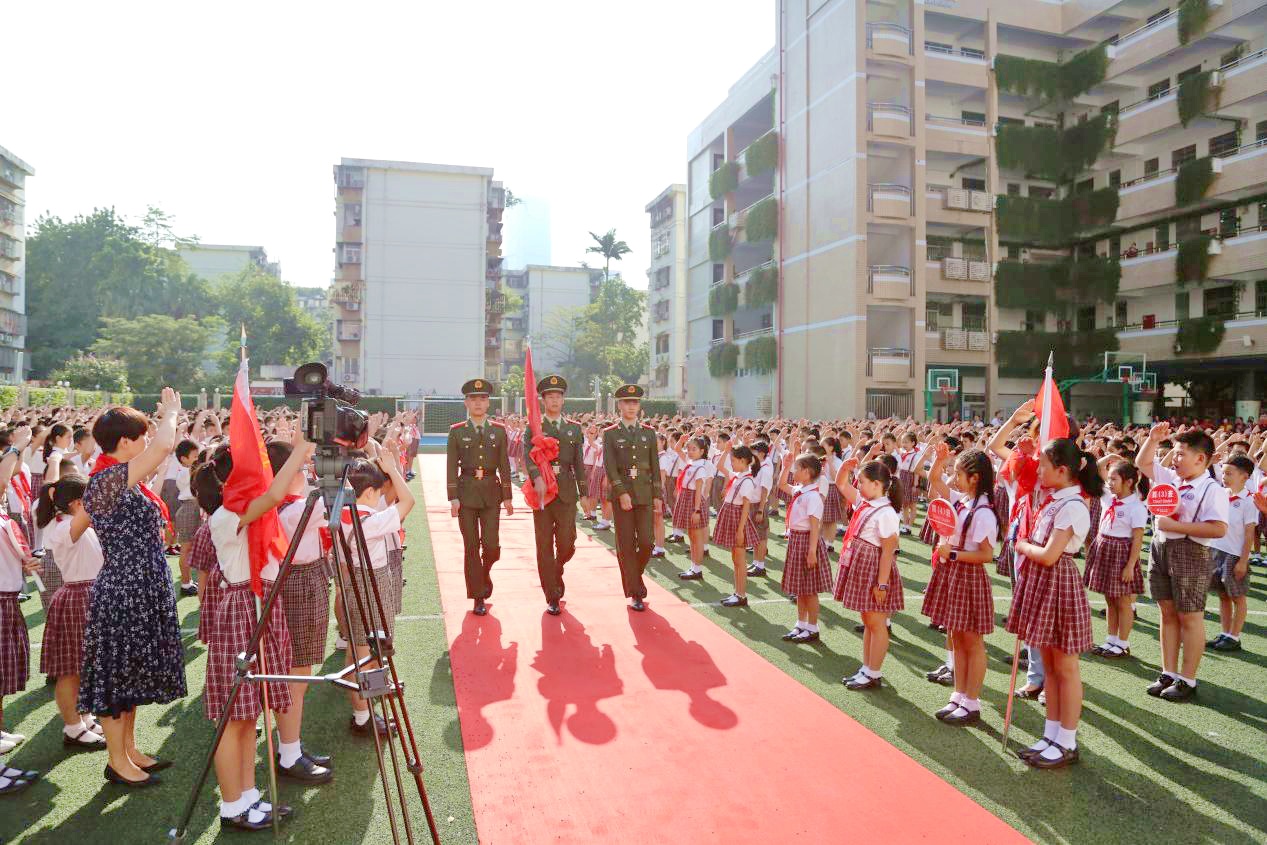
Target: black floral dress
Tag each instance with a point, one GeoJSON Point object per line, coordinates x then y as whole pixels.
{"type": "Point", "coordinates": [132, 649]}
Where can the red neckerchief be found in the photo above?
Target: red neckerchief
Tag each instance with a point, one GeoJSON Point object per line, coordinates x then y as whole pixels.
{"type": "Point", "coordinates": [682, 476]}
{"type": "Point", "coordinates": [731, 483]}
{"type": "Point", "coordinates": [289, 499]}
{"type": "Point", "coordinates": [22, 489]}
{"type": "Point", "coordinates": [1111, 513]}
{"type": "Point", "coordinates": [854, 524]}
{"type": "Point", "coordinates": [104, 462]}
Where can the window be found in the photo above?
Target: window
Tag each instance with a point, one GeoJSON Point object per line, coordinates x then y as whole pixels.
{"type": "Point", "coordinates": [719, 329]}
{"type": "Point", "coordinates": [718, 160]}
{"type": "Point", "coordinates": [1231, 56]}
{"type": "Point", "coordinates": [1184, 74]}
{"type": "Point", "coordinates": [973, 117]}
{"type": "Point", "coordinates": [1086, 319]}
{"type": "Point", "coordinates": [1119, 313]}
{"type": "Point", "coordinates": [719, 216]}
{"type": "Point", "coordinates": [1010, 121]}
{"type": "Point", "coordinates": [1158, 16]}
{"type": "Point", "coordinates": [1260, 131]}
{"type": "Point", "coordinates": [1163, 237]}
{"type": "Point", "coordinates": [974, 316]}
{"type": "Point", "coordinates": [1229, 222]}
{"type": "Point", "coordinates": [349, 253]}
{"type": "Point", "coordinates": [1110, 108]}
{"type": "Point", "coordinates": [1221, 302]}
{"type": "Point", "coordinates": [1159, 88]}
{"type": "Point", "coordinates": [662, 343]}
{"type": "Point", "coordinates": [1086, 186]}
{"type": "Point", "coordinates": [1260, 298]}
{"type": "Point", "coordinates": [1013, 189]}
{"type": "Point", "coordinates": [939, 315]}
{"type": "Point", "coordinates": [719, 273]}
{"type": "Point", "coordinates": [1035, 321]}
{"type": "Point", "coordinates": [1151, 166]}
{"type": "Point", "coordinates": [352, 214]}
{"type": "Point", "coordinates": [1115, 178]}
{"type": "Point", "coordinates": [1115, 247]}
{"type": "Point", "coordinates": [971, 183]}
{"type": "Point", "coordinates": [1183, 155]}
{"type": "Point", "coordinates": [1181, 305]}
{"type": "Point", "coordinates": [1225, 144]}
{"type": "Point", "coordinates": [1013, 252]}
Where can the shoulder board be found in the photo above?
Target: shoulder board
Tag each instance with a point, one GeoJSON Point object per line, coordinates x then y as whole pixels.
{"type": "Point", "coordinates": [496, 423]}
{"type": "Point", "coordinates": [610, 427]}
{"type": "Point", "coordinates": [458, 425]}
{"type": "Point", "coordinates": [647, 427]}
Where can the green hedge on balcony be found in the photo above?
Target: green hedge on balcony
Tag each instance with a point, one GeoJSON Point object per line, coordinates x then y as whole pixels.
{"type": "Point", "coordinates": [762, 288]}
{"type": "Point", "coordinates": [723, 300]}
{"type": "Point", "coordinates": [1199, 336]}
{"type": "Point", "coordinates": [763, 154]}
{"type": "Point", "coordinates": [762, 223]}
{"type": "Point", "coordinates": [1049, 80]}
{"type": "Point", "coordinates": [719, 243]}
{"type": "Point", "coordinates": [1055, 286]}
{"type": "Point", "coordinates": [1193, 180]}
{"type": "Point", "coordinates": [1054, 154]}
{"type": "Point", "coordinates": [1023, 354]}
{"type": "Point", "coordinates": [724, 180]}
{"type": "Point", "coordinates": [1192, 261]}
{"type": "Point", "coordinates": [1193, 15]}
{"type": "Point", "coordinates": [1196, 97]}
{"type": "Point", "coordinates": [723, 360]}
{"type": "Point", "coordinates": [1053, 222]}
{"type": "Point", "coordinates": [761, 355]}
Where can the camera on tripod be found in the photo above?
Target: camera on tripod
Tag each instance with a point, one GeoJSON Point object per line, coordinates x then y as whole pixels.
{"type": "Point", "coordinates": [329, 420]}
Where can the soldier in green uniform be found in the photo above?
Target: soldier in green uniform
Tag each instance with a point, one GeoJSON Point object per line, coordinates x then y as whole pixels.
{"type": "Point", "coordinates": [555, 524]}
{"type": "Point", "coordinates": [479, 481]}
{"type": "Point", "coordinates": [633, 469]}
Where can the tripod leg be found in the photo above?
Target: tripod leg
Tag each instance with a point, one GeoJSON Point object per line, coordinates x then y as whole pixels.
{"type": "Point", "coordinates": [268, 726]}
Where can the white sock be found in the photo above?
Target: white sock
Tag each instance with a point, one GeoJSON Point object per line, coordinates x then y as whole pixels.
{"type": "Point", "coordinates": [290, 753]}
{"type": "Point", "coordinates": [1068, 738]}
{"type": "Point", "coordinates": [1227, 634]}
{"type": "Point", "coordinates": [1233, 637]}
{"type": "Point", "coordinates": [695, 567]}
{"type": "Point", "coordinates": [956, 697]}
{"type": "Point", "coordinates": [229, 809]}
{"type": "Point", "coordinates": [1123, 644]}
{"type": "Point", "coordinates": [361, 716]}
{"type": "Point", "coordinates": [760, 564]}
{"type": "Point", "coordinates": [950, 660]}
{"type": "Point", "coordinates": [1192, 682]}
{"type": "Point", "coordinates": [1170, 675]}
{"type": "Point", "coordinates": [1051, 728]}
{"type": "Point", "coordinates": [813, 629]}
{"type": "Point", "coordinates": [1111, 639]}
{"type": "Point", "coordinates": [871, 673]}
{"type": "Point", "coordinates": [972, 705]}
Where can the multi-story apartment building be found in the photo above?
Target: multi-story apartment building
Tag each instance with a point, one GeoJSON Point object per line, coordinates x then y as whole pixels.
{"type": "Point", "coordinates": [667, 294]}
{"type": "Point", "coordinates": [963, 187]}
{"type": "Point", "coordinates": [418, 265]}
{"type": "Point", "coordinates": [543, 296]}
{"type": "Point", "coordinates": [212, 261]}
{"type": "Point", "coordinates": [13, 173]}
{"type": "Point", "coordinates": [733, 249]}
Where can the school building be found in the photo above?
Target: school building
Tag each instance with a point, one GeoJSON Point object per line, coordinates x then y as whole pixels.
{"type": "Point", "coordinates": [906, 206]}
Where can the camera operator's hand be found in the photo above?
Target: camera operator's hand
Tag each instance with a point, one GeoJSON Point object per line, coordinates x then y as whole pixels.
{"type": "Point", "coordinates": [455, 506]}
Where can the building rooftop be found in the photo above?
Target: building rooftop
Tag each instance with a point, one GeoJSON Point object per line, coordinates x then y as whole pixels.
{"type": "Point", "coordinates": [26, 168]}
{"type": "Point", "coordinates": [422, 167]}
{"type": "Point", "coordinates": [667, 192]}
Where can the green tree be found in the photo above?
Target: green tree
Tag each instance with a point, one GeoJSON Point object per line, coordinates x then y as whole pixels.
{"type": "Point", "coordinates": [610, 344]}
{"type": "Point", "coordinates": [89, 372]}
{"type": "Point", "coordinates": [278, 331]}
{"type": "Point", "coordinates": [561, 332]}
{"type": "Point", "coordinates": [610, 248]}
{"type": "Point", "coordinates": [159, 350]}
{"type": "Point", "coordinates": [513, 383]}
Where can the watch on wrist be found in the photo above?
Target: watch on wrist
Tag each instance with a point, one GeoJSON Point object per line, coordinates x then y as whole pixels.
{"type": "Point", "coordinates": [884, 587]}
{"type": "Point", "coordinates": [954, 554]}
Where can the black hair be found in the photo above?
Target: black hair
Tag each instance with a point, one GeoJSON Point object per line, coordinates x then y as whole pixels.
{"type": "Point", "coordinates": [889, 462]}
{"type": "Point", "coordinates": [1243, 463]}
{"type": "Point", "coordinates": [278, 453]}
{"type": "Point", "coordinates": [1066, 453]}
{"type": "Point", "coordinates": [953, 443]}
{"type": "Point", "coordinates": [1201, 442]}
{"type": "Point", "coordinates": [702, 442]}
{"type": "Point", "coordinates": [761, 447]}
{"type": "Point", "coordinates": [80, 435]}
{"type": "Point", "coordinates": [184, 447]}
{"type": "Point", "coordinates": [55, 498]}
{"type": "Point", "coordinates": [978, 463]}
{"type": "Point", "coordinates": [55, 432]}
{"type": "Point", "coordinates": [1131, 474]}
{"type": "Point", "coordinates": [811, 463]}
{"type": "Point", "coordinates": [364, 474]}
{"type": "Point", "coordinates": [117, 423]}
{"type": "Point", "coordinates": [207, 482]}
{"type": "Point", "coordinates": [832, 444]}
{"type": "Point", "coordinates": [878, 471]}
{"type": "Point", "coordinates": [743, 453]}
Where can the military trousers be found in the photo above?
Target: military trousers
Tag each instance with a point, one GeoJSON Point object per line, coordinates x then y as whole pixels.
{"type": "Point", "coordinates": [481, 548]}
{"type": "Point", "coordinates": [555, 530]}
{"type": "Point", "coordinates": [634, 541]}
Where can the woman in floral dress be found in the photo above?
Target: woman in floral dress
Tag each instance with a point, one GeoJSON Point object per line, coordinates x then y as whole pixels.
{"type": "Point", "coordinates": [132, 649]}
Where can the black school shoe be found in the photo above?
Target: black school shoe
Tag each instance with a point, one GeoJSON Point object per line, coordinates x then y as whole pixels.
{"type": "Point", "coordinates": [1157, 687]}
{"type": "Point", "coordinates": [734, 600]}
{"type": "Point", "coordinates": [690, 575]}
{"type": "Point", "coordinates": [1067, 756]}
{"type": "Point", "coordinates": [374, 723]}
{"type": "Point", "coordinates": [868, 683]}
{"type": "Point", "coordinates": [1214, 643]}
{"type": "Point", "coordinates": [1227, 644]}
{"type": "Point", "coordinates": [970, 717]}
{"type": "Point", "coordinates": [305, 770]}
{"type": "Point", "coordinates": [1179, 691]}
{"type": "Point", "coordinates": [754, 570]}
{"type": "Point", "coordinates": [943, 675]}
{"type": "Point", "coordinates": [803, 636]}
{"type": "Point", "coordinates": [243, 820]}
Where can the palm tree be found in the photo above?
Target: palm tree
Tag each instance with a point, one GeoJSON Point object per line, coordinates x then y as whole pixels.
{"type": "Point", "coordinates": [610, 248]}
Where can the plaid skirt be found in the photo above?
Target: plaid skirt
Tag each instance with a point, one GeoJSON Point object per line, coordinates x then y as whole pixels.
{"type": "Point", "coordinates": [1003, 563]}
{"type": "Point", "coordinates": [306, 601]}
{"type": "Point", "coordinates": [798, 578]}
{"type": "Point", "coordinates": [1262, 524]}
{"type": "Point", "coordinates": [186, 519]}
{"type": "Point", "coordinates": [1002, 505]}
{"type": "Point", "coordinates": [383, 580]}
{"type": "Point", "coordinates": [927, 534]}
{"type": "Point", "coordinates": [595, 482]}
{"type": "Point", "coordinates": [231, 634]}
{"type": "Point", "coordinates": [396, 564]}
{"type": "Point", "coordinates": [63, 650]}
{"type": "Point", "coordinates": [1105, 561]}
{"type": "Point", "coordinates": [832, 505]}
{"type": "Point", "coordinates": [15, 646]}
{"type": "Point", "coordinates": [51, 575]}
{"type": "Point", "coordinates": [37, 484]}
{"type": "Point", "coordinates": [859, 575]}
{"type": "Point", "coordinates": [684, 507]}
{"type": "Point", "coordinates": [907, 479]}
{"type": "Point", "coordinates": [958, 597]}
{"type": "Point", "coordinates": [727, 527]}
{"type": "Point", "coordinates": [1094, 507]}
{"type": "Point", "coordinates": [1050, 608]}
{"type": "Point", "coordinates": [208, 595]}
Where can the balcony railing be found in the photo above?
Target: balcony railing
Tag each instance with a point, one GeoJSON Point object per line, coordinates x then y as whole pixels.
{"type": "Point", "coordinates": [889, 113]}
{"type": "Point", "coordinates": [889, 356]}
{"type": "Point", "coordinates": [890, 31]}
{"type": "Point", "coordinates": [955, 121]}
{"type": "Point", "coordinates": [11, 322]}
{"type": "Point", "coordinates": [893, 274]}
{"type": "Point", "coordinates": [751, 333]}
{"type": "Point", "coordinates": [8, 283]}
{"type": "Point", "coordinates": [968, 339]}
{"type": "Point", "coordinates": [947, 50]}
{"type": "Point", "coordinates": [349, 332]}
{"type": "Point", "coordinates": [1140, 32]}
{"type": "Point", "coordinates": [891, 192]}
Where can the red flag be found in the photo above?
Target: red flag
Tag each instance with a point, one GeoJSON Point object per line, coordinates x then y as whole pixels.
{"type": "Point", "coordinates": [544, 449]}
{"type": "Point", "coordinates": [250, 478]}
{"type": "Point", "coordinates": [1049, 409]}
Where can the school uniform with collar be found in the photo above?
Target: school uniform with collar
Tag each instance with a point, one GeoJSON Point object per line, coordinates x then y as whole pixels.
{"type": "Point", "coordinates": [187, 516]}
{"type": "Point", "coordinates": [1242, 516]}
{"type": "Point", "coordinates": [1111, 549]}
{"type": "Point", "coordinates": [833, 502]}
{"type": "Point", "coordinates": [906, 460]}
{"type": "Point", "coordinates": [873, 521]}
{"type": "Point", "coordinates": [798, 579]}
{"type": "Point", "coordinates": [306, 591]}
{"type": "Point", "coordinates": [688, 501]}
{"type": "Point", "coordinates": [15, 643]}
{"type": "Point", "coordinates": [1180, 566]}
{"type": "Point", "coordinates": [378, 526]}
{"type": "Point", "coordinates": [740, 488]}
{"type": "Point", "coordinates": [958, 596]}
{"type": "Point", "coordinates": [79, 561]}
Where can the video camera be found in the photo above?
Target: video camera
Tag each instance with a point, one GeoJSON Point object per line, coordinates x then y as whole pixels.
{"type": "Point", "coordinates": [329, 421]}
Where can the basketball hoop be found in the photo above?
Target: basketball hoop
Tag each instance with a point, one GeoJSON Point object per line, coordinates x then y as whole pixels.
{"type": "Point", "coordinates": [947, 392]}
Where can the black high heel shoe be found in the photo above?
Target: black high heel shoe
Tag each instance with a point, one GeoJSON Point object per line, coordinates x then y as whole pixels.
{"type": "Point", "coordinates": [114, 777]}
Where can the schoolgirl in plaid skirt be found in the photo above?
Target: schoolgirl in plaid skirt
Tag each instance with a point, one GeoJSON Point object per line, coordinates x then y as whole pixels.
{"type": "Point", "coordinates": [1049, 609]}
{"type": "Point", "coordinates": [807, 570]}
{"type": "Point", "coordinates": [909, 456]}
{"type": "Point", "coordinates": [15, 644]}
{"type": "Point", "coordinates": [735, 529]}
{"type": "Point", "coordinates": [690, 511]}
{"type": "Point", "coordinates": [1113, 569]}
{"type": "Point", "coordinates": [766, 507]}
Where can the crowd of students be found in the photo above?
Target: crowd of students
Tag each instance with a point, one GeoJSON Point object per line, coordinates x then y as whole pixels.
{"type": "Point", "coordinates": [96, 503]}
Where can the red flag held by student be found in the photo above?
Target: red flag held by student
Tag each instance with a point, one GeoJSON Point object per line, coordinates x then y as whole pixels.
{"type": "Point", "coordinates": [250, 478]}
{"type": "Point", "coordinates": [544, 449]}
{"type": "Point", "coordinates": [1049, 409]}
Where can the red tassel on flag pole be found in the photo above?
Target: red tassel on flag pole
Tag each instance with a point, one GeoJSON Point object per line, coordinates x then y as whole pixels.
{"type": "Point", "coordinates": [1049, 409]}
{"type": "Point", "coordinates": [544, 449]}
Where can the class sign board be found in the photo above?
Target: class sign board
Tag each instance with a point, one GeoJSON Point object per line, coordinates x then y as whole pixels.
{"type": "Point", "coordinates": [942, 516]}
{"type": "Point", "coordinates": [1163, 500]}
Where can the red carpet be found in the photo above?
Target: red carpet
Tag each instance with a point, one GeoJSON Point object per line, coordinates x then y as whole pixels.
{"type": "Point", "coordinates": [604, 725]}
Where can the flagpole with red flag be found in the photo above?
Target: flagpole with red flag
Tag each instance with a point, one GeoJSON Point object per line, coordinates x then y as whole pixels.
{"type": "Point", "coordinates": [1049, 408]}
{"type": "Point", "coordinates": [544, 449]}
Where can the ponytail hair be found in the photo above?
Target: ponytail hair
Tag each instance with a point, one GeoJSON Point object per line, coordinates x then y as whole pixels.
{"type": "Point", "coordinates": [1081, 465]}
{"type": "Point", "coordinates": [207, 482]}
{"type": "Point", "coordinates": [1131, 474]}
{"type": "Point", "coordinates": [58, 430]}
{"type": "Point", "coordinates": [978, 463]}
{"type": "Point", "coordinates": [877, 471]}
{"type": "Point", "coordinates": [56, 498]}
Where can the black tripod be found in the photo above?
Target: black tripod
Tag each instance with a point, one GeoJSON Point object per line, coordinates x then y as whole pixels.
{"type": "Point", "coordinates": [379, 685]}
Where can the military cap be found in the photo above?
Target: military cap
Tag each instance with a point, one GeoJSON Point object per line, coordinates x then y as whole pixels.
{"type": "Point", "coordinates": [549, 383]}
{"type": "Point", "coordinates": [629, 391]}
{"type": "Point", "coordinates": [477, 387]}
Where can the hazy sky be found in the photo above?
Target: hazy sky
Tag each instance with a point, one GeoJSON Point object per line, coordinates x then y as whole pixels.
{"type": "Point", "coordinates": [229, 115]}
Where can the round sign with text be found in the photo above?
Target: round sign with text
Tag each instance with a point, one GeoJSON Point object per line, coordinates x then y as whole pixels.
{"type": "Point", "coordinates": [942, 516]}
{"type": "Point", "coordinates": [1163, 500]}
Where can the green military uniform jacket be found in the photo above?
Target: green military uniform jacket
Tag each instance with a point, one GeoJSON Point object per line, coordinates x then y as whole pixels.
{"type": "Point", "coordinates": [569, 470]}
{"type": "Point", "coordinates": [632, 460]}
{"type": "Point", "coordinates": [476, 452]}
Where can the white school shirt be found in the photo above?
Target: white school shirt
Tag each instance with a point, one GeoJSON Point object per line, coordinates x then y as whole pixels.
{"type": "Point", "coordinates": [808, 504]}
{"type": "Point", "coordinates": [15, 504]}
{"type": "Point", "coordinates": [1129, 515]}
{"type": "Point", "coordinates": [984, 528]}
{"type": "Point", "coordinates": [883, 524]}
{"type": "Point", "coordinates": [1241, 514]}
{"type": "Point", "coordinates": [377, 525]}
{"type": "Point", "coordinates": [233, 550]}
{"type": "Point", "coordinates": [183, 477]}
{"type": "Point", "coordinates": [78, 560]}
{"type": "Point", "coordinates": [1200, 500]}
{"type": "Point", "coordinates": [310, 545]}
{"type": "Point", "coordinates": [667, 459]}
{"type": "Point", "coordinates": [743, 487]}
{"type": "Point", "coordinates": [173, 468]}
{"type": "Point", "coordinates": [12, 577]}
{"type": "Point", "coordinates": [722, 465]}
{"type": "Point", "coordinates": [1075, 516]}
{"type": "Point", "coordinates": [85, 464]}
{"type": "Point", "coordinates": [765, 475]}
{"type": "Point", "coordinates": [906, 460]}
{"type": "Point", "coordinates": [696, 470]}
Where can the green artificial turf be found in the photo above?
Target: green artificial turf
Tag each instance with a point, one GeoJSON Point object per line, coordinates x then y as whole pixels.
{"type": "Point", "coordinates": [1197, 772]}
{"type": "Point", "coordinates": [73, 805]}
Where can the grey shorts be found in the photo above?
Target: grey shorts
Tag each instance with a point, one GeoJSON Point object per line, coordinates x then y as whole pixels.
{"type": "Point", "coordinates": [1180, 572]}
{"type": "Point", "coordinates": [1223, 581]}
